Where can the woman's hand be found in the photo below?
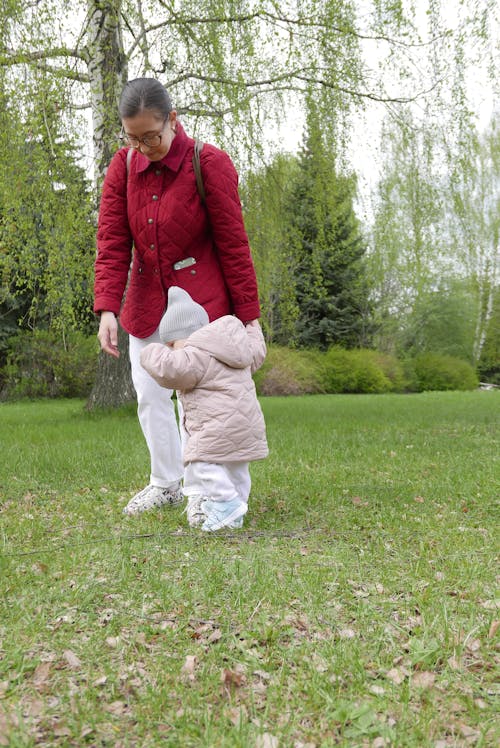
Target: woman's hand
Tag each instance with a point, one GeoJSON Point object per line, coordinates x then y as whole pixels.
{"type": "Point", "coordinates": [108, 334]}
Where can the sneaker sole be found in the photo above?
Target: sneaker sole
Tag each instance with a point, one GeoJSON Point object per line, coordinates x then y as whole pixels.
{"type": "Point", "coordinates": [226, 522]}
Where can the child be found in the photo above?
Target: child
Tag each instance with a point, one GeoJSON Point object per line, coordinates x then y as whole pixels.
{"type": "Point", "coordinates": [211, 365]}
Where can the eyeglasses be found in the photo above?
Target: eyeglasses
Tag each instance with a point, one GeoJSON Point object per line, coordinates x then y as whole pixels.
{"type": "Point", "coordinates": [150, 141]}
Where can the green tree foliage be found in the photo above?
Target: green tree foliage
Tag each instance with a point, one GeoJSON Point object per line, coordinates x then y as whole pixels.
{"type": "Point", "coordinates": [406, 252]}
{"type": "Point", "coordinates": [435, 249]}
{"type": "Point", "coordinates": [265, 195]}
{"type": "Point", "coordinates": [489, 363]}
{"type": "Point", "coordinates": [325, 250]}
{"type": "Point", "coordinates": [308, 246]}
{"type": "Point", "coordinates": [474, 219]}
{"type": "Point", "coordinates": [441, 321]}
{"type": "Point", "coordinates": [231, 67]}
{"type": "Point", "coordinates": [46, 221]}
{"type": "Point", "coordinates": [435, 241]}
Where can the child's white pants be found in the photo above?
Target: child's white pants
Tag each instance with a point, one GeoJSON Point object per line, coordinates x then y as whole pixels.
{"type": "Point", "coordinates": [217, 481]}
{"type": "Point", "coordinates": [156, 412]}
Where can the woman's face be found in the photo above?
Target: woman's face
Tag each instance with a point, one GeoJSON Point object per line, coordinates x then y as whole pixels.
{"type": "Point", "coordinates": [150, 127]}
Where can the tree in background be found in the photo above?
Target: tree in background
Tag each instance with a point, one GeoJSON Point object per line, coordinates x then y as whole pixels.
{"type": "Point", "coordinates": [407, 258]}
{"type": "Point", "coordinates": [225, 64]}
{"type": "Point", "coordinates": [324, 250]}
{"type": "Point", "coordinates": [489, 363]}
{"type": "Point", "coordinates": [308, 246]}
{"type": "Point", "coordinates": [46, 224]}
{"type": "Point", "coordinates": [230, 67]}
{"type": "Point", "coordinates": [265, 194]}
{"type": "Point", "coordinates": [435, 242]}
{"type": "Point", "coordinates": [473, 213]}
{"type": "Point", "coordinates": [434, 248]}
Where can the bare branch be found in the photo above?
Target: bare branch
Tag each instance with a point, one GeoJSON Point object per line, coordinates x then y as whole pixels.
{"type": "Point", "coordinates": [179, 20]}
{"type": "Point", "coordinates": [18, 57]}
{"type": "Point", "coordinates": [270, 84]}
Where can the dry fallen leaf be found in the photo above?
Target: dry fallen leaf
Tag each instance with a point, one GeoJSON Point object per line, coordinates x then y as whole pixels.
{"type": "Point", "coordinates": [41, 675]}
{"type": "Point", "coordinates": [116, 707]}
{"type": "Point", "coordinates": [347, 633]}
{"type": "Point", "coordinates": [377, 690]}
{"type": "Point", "coordinates": [473, 645]}
{"type": "Point", "coordinates": [493, 629]}
{"type": "Point", "coordinates": [266, 740]}
{"type": "Point", "coordinates": [423, 679]}
{"type": "Point", "coordinates": [238, 715]}
{"type": "Point", "coordinates": [189, 667]}
{"type": "Point", "coordinates": [397, 675]}
{"type": "Point", "coordinates": [468, 732]}
{"type": "Point", "coordinates": [232, 678]}
{"type": "Point", "coordinates": [358, 501]}
{"type": "Point", "coordinates": [215, 636]}
{"type": "Point", "coordinates": [71, 658]}
{"type": "Point", "coordinates": [61, 730]}
{"type": "Point", "coordinates": [34, 707]}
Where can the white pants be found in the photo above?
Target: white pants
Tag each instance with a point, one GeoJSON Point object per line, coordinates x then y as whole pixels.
{"type": "Point", "coordinates": [217, 481]}
{"type": "Point", "coordinates": [156, 412]}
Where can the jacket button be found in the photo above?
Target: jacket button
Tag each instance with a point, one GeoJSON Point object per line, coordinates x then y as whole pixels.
{"type": "Point", "coordinates": [156, 271]}
{"type": "Point", "coordinates": [155, 197]}
{"type": "Point", "coordinates": [157, 172]}
{"type": "Point", "coordinates": [151, 246]}
{"type": "Point", "coordinates": [193, 272]}
{"type": "Point", "coordinates": [150, 220]}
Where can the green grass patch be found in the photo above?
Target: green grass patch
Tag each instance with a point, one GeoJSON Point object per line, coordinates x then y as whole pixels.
{"type": "Point", "coordinates": [358, 607]}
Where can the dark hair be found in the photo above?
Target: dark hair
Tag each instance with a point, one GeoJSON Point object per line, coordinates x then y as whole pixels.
{"type": "Point", "coordinates": [144, 93]}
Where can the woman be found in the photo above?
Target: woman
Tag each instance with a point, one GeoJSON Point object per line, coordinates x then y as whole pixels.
{"type": "Point", "coordinates": [150, 202]}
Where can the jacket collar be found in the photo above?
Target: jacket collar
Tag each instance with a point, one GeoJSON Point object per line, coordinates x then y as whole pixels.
{"type": "Point", "coordinates": [175, 155]}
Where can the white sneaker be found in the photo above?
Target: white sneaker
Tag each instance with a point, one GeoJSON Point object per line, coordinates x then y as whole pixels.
{"type": "Point", "coordinates": [221, 514]}
{"type": "Point", "coordinates": [153, 497]}
{"type": "Point", "coordinates": [194, 511]}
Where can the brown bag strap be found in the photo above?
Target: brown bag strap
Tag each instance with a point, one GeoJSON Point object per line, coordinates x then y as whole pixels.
{"type": "Point", "coordinates": [130, 153]}
{"type": "Point", "coordinates": [198, 145]}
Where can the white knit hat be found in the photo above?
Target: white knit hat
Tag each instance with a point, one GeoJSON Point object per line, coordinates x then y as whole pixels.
{"type": "Point", "coordinates": [183, 316]}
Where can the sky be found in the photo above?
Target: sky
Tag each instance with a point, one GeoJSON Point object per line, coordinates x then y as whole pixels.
{"type": "Point", "coordinates": [364, 151]}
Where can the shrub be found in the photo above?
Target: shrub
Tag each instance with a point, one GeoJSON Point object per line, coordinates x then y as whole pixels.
{"type": "Point", "coordinates": [290, 372]}
{"type": "Point", "coordinates": [392, 368]}
{"type": "Point", "coordinates": [41, 364]}
{"type": "Point", "coordinates": [301, 372]}
{"type": "Point", "coordinates": [356, 371]}
{"type": "Point", "coordinates": [434, 371]}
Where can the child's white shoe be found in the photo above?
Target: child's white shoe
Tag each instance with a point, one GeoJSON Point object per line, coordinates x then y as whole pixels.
{"type": "Point", "coordinates": [221, 514]}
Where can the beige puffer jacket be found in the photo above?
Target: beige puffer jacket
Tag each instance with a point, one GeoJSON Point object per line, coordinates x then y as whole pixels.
{"type": "Point", "coordinates": [212, 375]}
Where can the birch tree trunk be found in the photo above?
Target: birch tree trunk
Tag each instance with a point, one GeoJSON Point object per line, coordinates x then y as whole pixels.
{"type": "Point", "coordinates": [108, 72]}
{"type": "Point", "coordinates": [107, 66]}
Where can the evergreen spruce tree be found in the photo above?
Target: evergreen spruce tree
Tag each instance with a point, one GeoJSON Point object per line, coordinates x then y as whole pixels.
{"type": "Point", "coordinates": [324, 250]}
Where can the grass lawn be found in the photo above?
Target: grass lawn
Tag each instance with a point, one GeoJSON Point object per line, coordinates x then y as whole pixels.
{"type": "Point", "coordinates": [358, 607]}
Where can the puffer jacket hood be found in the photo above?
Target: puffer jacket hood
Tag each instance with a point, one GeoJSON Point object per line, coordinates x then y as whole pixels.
{"type": "Point", "coordinates": [226, 340]}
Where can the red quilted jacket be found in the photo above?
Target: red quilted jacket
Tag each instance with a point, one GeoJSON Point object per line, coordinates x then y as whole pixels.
{"type": "Point", "coordinates": [158, 211]}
